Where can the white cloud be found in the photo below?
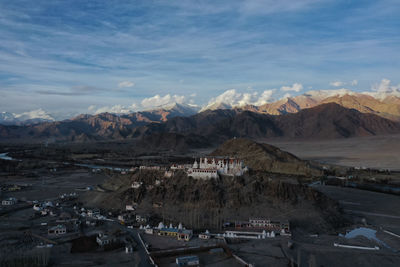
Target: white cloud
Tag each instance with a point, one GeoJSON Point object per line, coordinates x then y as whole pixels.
{"type": "Point", "coordinates": [296, 87]}
{"type": "Point", "coordinates": [126, 84]}
{"type": "Point", "coordinates": [322, 94]}
{"type": "Point", "coordinates": [233, 98]}
{"type": "Point", "coordinates": [116, 109]}
{"type": "Point", "coordinates": [384, 89]}
{"type": "Point", "coordinates": [265, 97]}
{"type": "Point", "coordinates": [34, 114]}
{"type": "Point", "coordinates": [287, 95]}
{"type": "Point", "coordinates": [354, 82]}
{"type": "Point", "coordinates": [92, 108]}
{"type": "Point", "coordinates": [158, 101]}
{"type": "Point", "coordinates": [149, 103]}
{"type": "Point", "coordinates": [337, 83]}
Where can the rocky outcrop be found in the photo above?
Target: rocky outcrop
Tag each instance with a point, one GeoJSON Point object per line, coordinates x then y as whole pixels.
{"type": "Point", "coordinates": [264, 157]}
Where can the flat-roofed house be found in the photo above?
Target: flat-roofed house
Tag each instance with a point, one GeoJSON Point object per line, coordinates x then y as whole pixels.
{"type": "Point", "coordinates": [59, 229]}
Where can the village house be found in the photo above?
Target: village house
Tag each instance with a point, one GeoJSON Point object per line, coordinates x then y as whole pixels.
{"type": "Point", "coordinates": [126, 218]}
{"type": "Point", "coordinates": [59, 229]}
{"type": "Point", "coordinates": [187, 261]}
{"type": "Point", "coordinates": [204, 236]}
{"type": "Point", "coordinates": [93, 213]}
{"type": "Point", "coordinates": [141, 218]}
{"type": "Point", "coordinates": [180, 234]}
{"type": "Point", "coordinates": [9, 201]}
{"type": "Point", "coordinates": [266, 224]}
{"type": "Point", "coordinates": [149, 231]}
{"type": "Point", "coordinates": [103, 239]}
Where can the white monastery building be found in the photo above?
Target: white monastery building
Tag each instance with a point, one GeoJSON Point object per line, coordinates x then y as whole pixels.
{"type": "Point", "coordinates": [211, 167]}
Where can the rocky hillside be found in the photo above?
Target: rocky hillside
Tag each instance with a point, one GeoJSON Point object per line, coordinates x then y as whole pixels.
{"type": "Point", "coordinates": [264, 157]}
{"type": "Point", "coordinates": [209, 203]}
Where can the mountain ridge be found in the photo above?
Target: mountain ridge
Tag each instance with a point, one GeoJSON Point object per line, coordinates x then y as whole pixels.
{"type": "Point", "coordinates": [326, 121]}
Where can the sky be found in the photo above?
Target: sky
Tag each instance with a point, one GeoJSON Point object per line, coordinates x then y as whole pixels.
{"type": "Point", "coordinates": [73, 56]}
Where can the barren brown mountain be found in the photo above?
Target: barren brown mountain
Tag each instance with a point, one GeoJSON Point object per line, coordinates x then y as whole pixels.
{"type": "Point", "coordinates": [325, 121]}
{"type": "Point", "coordinates": [388, 108]}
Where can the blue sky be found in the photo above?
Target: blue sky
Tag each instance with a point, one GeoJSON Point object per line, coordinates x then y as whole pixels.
{"type": "Point", "coordinates": [67, 56]}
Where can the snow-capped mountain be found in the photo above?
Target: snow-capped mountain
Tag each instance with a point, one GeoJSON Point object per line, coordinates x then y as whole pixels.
{"type": "Point", "coordinates": [182, 109]}
{"type": "Point", "coordinates": [30, 117]}
{"type": "Point", "coordinates": [384, 103]}
{"type": "Point", "coordinates": [215, 106]}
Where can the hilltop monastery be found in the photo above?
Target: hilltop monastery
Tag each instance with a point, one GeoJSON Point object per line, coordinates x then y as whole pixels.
{"type": "Point", "coordinates": [212, 167]}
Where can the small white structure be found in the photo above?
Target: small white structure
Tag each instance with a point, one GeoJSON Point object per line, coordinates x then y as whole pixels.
{"type": "Point", "coordinates": [121, 218]}
{"type": "Point", "coordinates": [149, 231]}
{"type": "Point", "coordinates": [103, 239]}
{"type": "Point", "coordinates": [93, 213]}
{"type": "Point", "coordinates": [204, 236]}
{"type": "Point", "coordinates": [141, 218]}
{"type": "Point", "coordinates": [129, 208]}
{"type": "Point", "coordinates": [128, 249]}
{"type": "Point", "coordinates": [9, 201]}
{"type": "Point", "coordinates": [136, 185]}
{"type": "Point", "coordinates": [161, 225]}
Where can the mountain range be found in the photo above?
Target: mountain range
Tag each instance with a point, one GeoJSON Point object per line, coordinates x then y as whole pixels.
{"type": "Point", "coordinates": [386, 105]}
{"type": "Point", "coordinates": [211, 127]}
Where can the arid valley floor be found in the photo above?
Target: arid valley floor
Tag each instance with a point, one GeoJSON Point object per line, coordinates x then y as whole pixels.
{"type": "Point", "coordinates": [317, 222]}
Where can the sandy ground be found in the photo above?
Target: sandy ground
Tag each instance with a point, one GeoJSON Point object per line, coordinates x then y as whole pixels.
{"type": "Point", "coordinates": [373, 152]}
{"type": "Point", "coordinates": [378, 209]}
{"type": "Point", "coordinates": [266, 252]}
{"type": "Point", "coordinates": [206, 258]}
{"type": "Point", "coordinates": [49, 186]}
